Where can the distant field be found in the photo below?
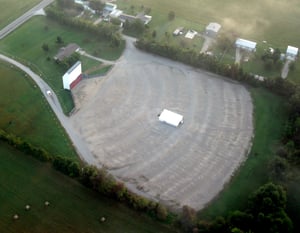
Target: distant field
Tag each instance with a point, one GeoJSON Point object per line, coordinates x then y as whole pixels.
{"type": "Point", "coordinates": [276, 22]}
{"type": "Point", "coordinates": [25, 113]}
{"type": "Point", "coordinates": [73, 208]}
{"type": "Point", "coordinates": [26, 45]}
{"type": "Point", "coordinates": [12, 9]}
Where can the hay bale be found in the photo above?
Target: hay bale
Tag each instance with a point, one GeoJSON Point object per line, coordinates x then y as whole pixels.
{"type": "Point", "coordinates": [47, 203]}
{"type": "Point", "coordinates": [16, 217]}
{"type": "Point", "coordinates": [27, 207]}
{"type": "Point", "coordinates": [102, 219]}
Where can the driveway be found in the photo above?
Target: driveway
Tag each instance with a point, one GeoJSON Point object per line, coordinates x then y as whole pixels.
{"type": "Point", "coordinates": [188, 165]}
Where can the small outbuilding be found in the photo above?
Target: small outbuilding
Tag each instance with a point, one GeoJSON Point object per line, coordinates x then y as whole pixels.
{"type": "Point", "coordinates": [66, 52]}
{"type": "Point", "coordinates": [212, 29]}
{"type": "Point", "coordinates": [170, 118]}
{"type": "Point", "coordinates": [291, 53]}
{"type": "Point", "coordinates": [247, 45]}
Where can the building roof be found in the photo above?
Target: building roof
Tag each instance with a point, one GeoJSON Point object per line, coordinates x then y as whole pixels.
{"type": "Point", "coordinates": [171, 118]}
{"type": "Point", "coordinates": [67, 51]}
{"type": "Point", "coordinates": [215, 27]}
{"type": "Point", "coordinates": [246, 44]}
{"type": "Point", "coordinates": [292, 50]}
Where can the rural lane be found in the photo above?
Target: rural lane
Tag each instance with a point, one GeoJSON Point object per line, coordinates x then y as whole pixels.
{"type": "Point", "coordinates": [22, 19]}
{"type": "Point", "coordinates": [78, 143]}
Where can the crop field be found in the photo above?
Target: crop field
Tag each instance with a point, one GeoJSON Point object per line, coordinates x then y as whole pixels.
{"type": "Point", "coordinates": [12, 9]}
{"type": "Point", "coordinates": [73, 208]}
{"type": "Point", "coordinates": [25, 113]}
{"type": "Point", "coordinates": [25, 45]}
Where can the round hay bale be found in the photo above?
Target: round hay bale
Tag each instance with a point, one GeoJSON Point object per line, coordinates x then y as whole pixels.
{"type": "Point", "coordinates": [16, 217]}
{"type": "Point", "coordinates": [27, 207]}
{"type": "Point", "coordinates": [102, 219]}
{"type": "Point", "coordinates": [47, 203]}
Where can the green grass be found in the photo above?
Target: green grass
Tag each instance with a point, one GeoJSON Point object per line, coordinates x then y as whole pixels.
{"type": "Point", "coordinates": [73, 208]}
{"type": "Point", "coordinates": [12, 9]}
{"type": "Point", "coordinates": [26, 113]}
{"type": "Point", "coordinates": [25, 45]}
{"type": "Point", "coordinates": [269, 120]}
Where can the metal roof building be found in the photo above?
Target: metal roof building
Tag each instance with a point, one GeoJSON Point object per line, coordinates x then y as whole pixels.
{"type": "Point", "coordinates": [212, 29]}
{"type": "Point", "coordinates": [245, 45]}
{"type": "Point", "coordinates": [291, 53]}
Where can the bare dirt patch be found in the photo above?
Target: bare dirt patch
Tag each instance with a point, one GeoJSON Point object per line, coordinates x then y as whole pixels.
{"type": "Point", "coordinates": [188, 165]}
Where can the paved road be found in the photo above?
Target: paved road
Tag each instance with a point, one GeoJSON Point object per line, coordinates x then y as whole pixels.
{"type": "Point", "coordinates": [79, 144]}
{"type": "Point", "coordinates": [285, 69]}
{"type": "Point", "coordinates": [22, 19]}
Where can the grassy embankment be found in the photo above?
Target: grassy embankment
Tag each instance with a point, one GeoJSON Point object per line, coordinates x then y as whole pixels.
{"type": "Point", "coordinates": [73, 208]}
{"type": "Point", "coordinates": [25, 45]}
{"type": "Point", "coordinates": [271, 21]}
{"type": "Point", "coordinates": [25, 112]}
{"type": "Point", "coordinates": [12, 9]}
{"type": "Point", "coordinates": [269, 120]}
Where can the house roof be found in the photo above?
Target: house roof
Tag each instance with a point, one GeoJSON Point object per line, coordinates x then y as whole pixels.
{"type": "Point", "coordinates": [292, 50]}
{"type": "Point", "coordinates": [215, 27]}
{"type": "Point", "coordinates": [67, 51]}
{"type": "Point", "coordinates": [171, 118]}
{"type": "Point", "coordinates": [245, 44]}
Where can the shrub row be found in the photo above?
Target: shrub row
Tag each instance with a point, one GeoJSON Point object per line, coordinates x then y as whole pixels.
{"type": "Point", "coordinates": [90, 176]}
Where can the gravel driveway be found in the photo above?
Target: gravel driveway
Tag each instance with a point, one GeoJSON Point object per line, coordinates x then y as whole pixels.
{"type": "Point", "coordinates": [117, 118]}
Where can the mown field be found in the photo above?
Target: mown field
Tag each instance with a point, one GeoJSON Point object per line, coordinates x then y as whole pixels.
{"type": "Point", "coordinates": [25, 45]}
{"type": "Point", "coordinates": [12, 9]}
{"type": "Point", "coordinates": [73, 208]}
{"type": "Point", "coordinates": [269, 121]}
{"type": "Point", "coordinates": [25, 112]}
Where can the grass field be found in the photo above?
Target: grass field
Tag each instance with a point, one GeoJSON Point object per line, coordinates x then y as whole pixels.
{"type": "Point", "coordinates": [12, 9]}
{"type": "Point", "coordinates": [269, 120]}
{"type": "Point", "coordinates": [26, 45]}
{"type": "Point", "coordinates": [25, 113]}
{"type": "Point", "coordinates": [73, 208]}
{"type": "Point", "coordinates": [270, 20]}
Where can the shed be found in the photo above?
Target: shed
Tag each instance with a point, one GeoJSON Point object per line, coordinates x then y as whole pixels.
{"type": "Point", "coordinates": [245, 45]}
{"type": "Point", "coordinates": [66, 52]}
{"type": "Point", "coordinates": [171, 118]}
{"type": "Point", "coordinates": [212, 29]}
{"type": "Point", "coordinates": [291, 53]}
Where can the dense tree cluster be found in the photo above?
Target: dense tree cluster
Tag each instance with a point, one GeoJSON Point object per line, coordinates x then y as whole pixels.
{"type": "Point", "coordinates": [104, 31]}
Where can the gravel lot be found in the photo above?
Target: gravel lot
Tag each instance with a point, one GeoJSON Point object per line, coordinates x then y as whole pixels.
{"type": "Point", "coordinates": [117, 117]}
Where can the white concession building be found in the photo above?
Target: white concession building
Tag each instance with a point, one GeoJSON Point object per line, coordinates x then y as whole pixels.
{"type": "Point", "coordinates": [171, 118]}
{"type": "Point", "coordinates": [247, 45]}
{"type": "Point", "coordinates": [291, 53]}
{"type": "Point", "coordinates": [73, 76]}
{"type": "Point", "coordinates": [212, 29]}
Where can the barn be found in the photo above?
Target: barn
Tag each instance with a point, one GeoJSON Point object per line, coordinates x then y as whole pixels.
{"type": "Point", "coordinates": [73, 76]}
{"type": "Point", "coordinates": [170, 118]}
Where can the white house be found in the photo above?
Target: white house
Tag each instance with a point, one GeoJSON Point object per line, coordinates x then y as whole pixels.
{"type": "Point", "coordinates": [170, 118]}
{"type": "Point", "coordinates": [73, 76]}
{"type": "Point", "coordinates": [291, 53]}
{"type": "Point", "coordinates": [212, 29]}
{"type": "Point", "coordinates": [247, 45]}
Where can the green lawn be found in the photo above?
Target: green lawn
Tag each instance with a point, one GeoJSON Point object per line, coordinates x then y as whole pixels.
{"type": "Point", "coordinates": [25, 113]}
{"type": "Point", "coordinates": [73, 208]}
{"type": "Point", "coordinates": [12, 9]}
{"type": "Point", "coordinates": [25, 45]}
{"type": "Point", "coordinates": [269, 120]}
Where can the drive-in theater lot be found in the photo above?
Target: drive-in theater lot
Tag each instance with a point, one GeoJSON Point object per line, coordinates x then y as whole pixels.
{"type": "Point", "coordinates": [117, 115]}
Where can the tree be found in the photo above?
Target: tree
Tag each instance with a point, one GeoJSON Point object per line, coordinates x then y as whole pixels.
{"type": "Point", "coordinates": [45, 47]}
{"type": "Point", "coordinates": [161, 212]}
{"type": "Point", "coordinates": [171, 15]}
{"type": "Point", "coordinates": [59, 40]}
{"type": "Point", "coordinates": [97, 5]}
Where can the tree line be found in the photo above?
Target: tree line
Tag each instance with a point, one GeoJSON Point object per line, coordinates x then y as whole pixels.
{"type": "Point", "coordinates": [91, 177]}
